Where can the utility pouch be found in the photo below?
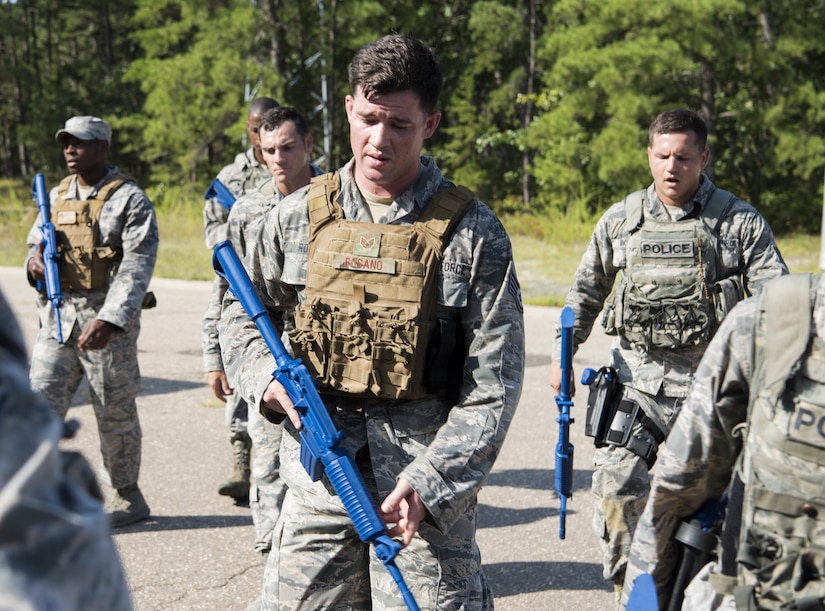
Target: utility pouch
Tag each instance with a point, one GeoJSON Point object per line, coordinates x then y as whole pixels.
{"type": "Point", "coordinates": [605, 392]}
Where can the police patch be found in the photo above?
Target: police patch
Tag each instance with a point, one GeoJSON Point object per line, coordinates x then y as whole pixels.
{"type": "Point", "coordinates": [667, 249]}
{"type": "Point", "coordinates": [808, 424]}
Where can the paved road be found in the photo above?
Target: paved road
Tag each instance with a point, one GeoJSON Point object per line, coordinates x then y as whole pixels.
{"type": "Point", "coordinates": [196, 550]}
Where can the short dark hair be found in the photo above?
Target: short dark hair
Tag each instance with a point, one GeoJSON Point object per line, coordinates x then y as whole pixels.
{"type": "Point", "coordinates": [273, 118]}
{"type": "Point", "coordinates": [679, 121]}
{"type": "Point", "coordinates": [397, 63]}
{"type": "Point", "coordinates": [259, 106]}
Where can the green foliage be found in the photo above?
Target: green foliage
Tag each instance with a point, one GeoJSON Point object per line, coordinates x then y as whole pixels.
{"type": "Point", "coordinates": [198, 63]}
{"type": "Point", "coordinates": [545, 105]}
{"type": "Point", "coordinates": [18, 212]}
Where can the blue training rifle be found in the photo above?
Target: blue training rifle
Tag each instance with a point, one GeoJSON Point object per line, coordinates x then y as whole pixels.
{"type": "Point", "coordinates": [219, 191]}
{"type": "Point", "coordinates": [321, 449]}
{"type": "Point", "coordinates": [564, 449]}
{"type": "Point", "coordinates": [50, 254]}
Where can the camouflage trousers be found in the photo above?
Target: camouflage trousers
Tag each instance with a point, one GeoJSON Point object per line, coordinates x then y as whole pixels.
{"type": "Point", "coordinates": [318, 561]}
{"type": "Point", "coordinates": [114, 380]}
{"type": "Point", "coordinates": [236, 413]}
{"type": "Point", "coordinates": [267, 490]}
{"type": "Point", "coordinates": [621, 485]}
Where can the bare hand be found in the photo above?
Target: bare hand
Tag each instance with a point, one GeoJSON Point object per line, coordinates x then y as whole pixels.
{"type": "Point", "coordinates": [555, 378]}
{"type": "Point", "coordinates": [96, 335]}
{"type": "Point", "coordinates": [36, 267]}
{"type": "Point", "coordinates": [219, 384]}
{"type": "Point", "coordinates": [405, 509]}
{"type": "Point", "coordinates": [276, 399]}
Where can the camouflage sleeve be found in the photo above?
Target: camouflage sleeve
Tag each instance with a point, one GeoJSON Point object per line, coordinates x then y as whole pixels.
{"type": "Point", "coordinates": [761, 259]}
{"type": "Point", "coordinates": [210, 345]}
{"type": "Point", "coordinates": [215, 215]}
{"type": "Point", "coordinates": [243, 213]}
{"type": "Point", "coordinates": [449, 473]}
{"type": "Point", "coordinates": [135, 229]}
{"type": "Point", "coordinates": [32, 244]}
{"type": "Point", "coordinates": [247, 359]}
{"type": "Point", "coordinates": [595, 276]}
{"type": "Point", "coordinates": [697, 460]}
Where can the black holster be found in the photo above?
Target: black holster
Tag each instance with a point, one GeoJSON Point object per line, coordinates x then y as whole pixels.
{"type": "Point", "coordinates": [605, 393]}
{"type": "Point", "coordinates": [610, 418]}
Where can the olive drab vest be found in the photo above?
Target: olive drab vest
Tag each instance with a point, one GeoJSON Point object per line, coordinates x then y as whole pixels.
{"type": "Point", "coordinates": [669, 293]}
{"type": "Point", "coordinates": [83, 264]}
{"type": "Point", "coordinates": [781, 553]}
{"type": "Point", "coordinates": [367, 320]}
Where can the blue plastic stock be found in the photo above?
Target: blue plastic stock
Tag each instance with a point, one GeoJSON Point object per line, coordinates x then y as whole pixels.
{"type": "Point", "coordinates": [219, 191]}
{"type": "Point", "coordinates": [320, 441]}
{"type": "Point", "coordinates": [50, 254]}
{"type": "Point", "coordinates": [564, 449]}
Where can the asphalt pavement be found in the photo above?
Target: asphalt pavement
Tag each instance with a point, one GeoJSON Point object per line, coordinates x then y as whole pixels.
{"type": "Point", "coordinates": [195, 552]}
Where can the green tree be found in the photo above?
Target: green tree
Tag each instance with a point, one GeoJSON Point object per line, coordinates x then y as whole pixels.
{"type": "Point", "coordinates": [58, 60]}
{"type": "Point", "coordinates": [610, 66]}
{"type": "Point", "coordinates": [483, 117]}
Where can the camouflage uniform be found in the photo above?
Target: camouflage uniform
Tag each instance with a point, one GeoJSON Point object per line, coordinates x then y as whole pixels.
{"type": "Point", "coordinates": [129, 226]}
{"type": "Point", "coordinates": [656, 378]}
{"type": "Point", "coordinates": [703, 450]}
{"type": "Point", "coordinates": [444, 450]}
{"type": "Point", "coordinates": [241, 176]}
{"type": "Point", "coordinates": [267, 490]}
{"type": "Point", "coordinates": [56, 549]}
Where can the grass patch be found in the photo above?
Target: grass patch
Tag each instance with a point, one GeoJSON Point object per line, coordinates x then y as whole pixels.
{"type": "Point", "coordinates": [547, 250]}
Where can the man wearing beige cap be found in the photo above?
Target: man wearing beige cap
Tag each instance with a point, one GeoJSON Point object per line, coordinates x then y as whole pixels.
{"type": "Point", "coordinates": [107, 236]}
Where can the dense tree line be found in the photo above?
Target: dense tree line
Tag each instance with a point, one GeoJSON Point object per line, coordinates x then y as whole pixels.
{"type": "Point", "coordinates": [546, 104]}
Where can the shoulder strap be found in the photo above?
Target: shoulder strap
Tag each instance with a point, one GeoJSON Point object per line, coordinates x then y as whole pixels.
{"type": "Point", "coordinates": [717, 205]}
{"type": "Point", "coordinates": [63, 187]}
{"type": "Point", "coordinates": [321, 206]}
{"type": "Point", "coordinates": [114, 182]}
{"type": "Point", "coordinates": [446, 208]}
{"type": "Point", "coordinates": [634, 209]}
{"type": "Point", "coordinates": [786, 308]}
{"type": "Point", "coordinates": [711, 212]}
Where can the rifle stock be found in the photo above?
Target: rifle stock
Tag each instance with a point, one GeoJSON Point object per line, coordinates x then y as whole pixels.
{"type": "Point", "coordinates": [50, 254]}
{"type": "Point", "coordinates": [564, 449]}
{"type": "Point", "coordinates": [221, 194]}
{"type": "Point", "coordinates": [321, 449]}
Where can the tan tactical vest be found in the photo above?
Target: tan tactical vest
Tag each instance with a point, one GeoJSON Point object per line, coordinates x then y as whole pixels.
{"type": "Point", "coordinates": [668, 295]}
{"type": "Point", "coordinates": [83, 265]}
{"type": "Point", "coordinates": [369, 310]}
{"type": "Point", "coordinates": [781, 555]}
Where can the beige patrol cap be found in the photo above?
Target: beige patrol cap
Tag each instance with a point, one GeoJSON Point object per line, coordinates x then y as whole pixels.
{"type": "Point", "coordinates": [85, 128]}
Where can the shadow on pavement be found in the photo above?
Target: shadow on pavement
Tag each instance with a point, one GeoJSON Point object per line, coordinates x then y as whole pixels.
{"type": "Point", "coordinates": [537, 360]}
{"type": "Point", "coordinates": [537, 479]}
{"type": "Point", "coordinates": [148, 386]}
{"type": "Point", "coordinates": [490, 516]}
{"type": "Point", "coordinates": [512, 578]}
{"type": "Point", "coordinates": [160, 523]}
{"type": "Point", "coordinates": [161, 386]}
